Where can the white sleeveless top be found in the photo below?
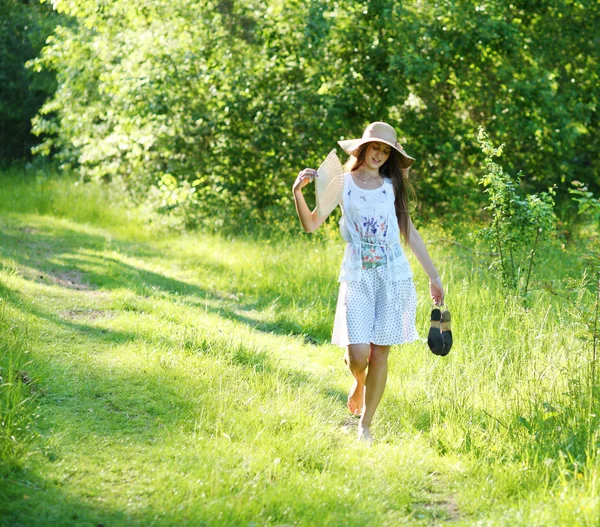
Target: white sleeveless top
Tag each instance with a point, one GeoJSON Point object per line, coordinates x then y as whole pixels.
{"type": "Point", "coordinates": [370, 226]}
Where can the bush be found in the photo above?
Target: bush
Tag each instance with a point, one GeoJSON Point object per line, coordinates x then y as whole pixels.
{"type": "Point", "coordinates": [207, 110]}
{"type": "Point", "coordinates": [520, 226]}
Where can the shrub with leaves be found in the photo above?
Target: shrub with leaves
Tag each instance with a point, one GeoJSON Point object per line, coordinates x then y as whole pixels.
{"type": "Point", "coordinates": [589, 205]}
{"type": "Point", "coordinates": [519, 226]}
{"type": "Point", "coordinates": [228, 100]}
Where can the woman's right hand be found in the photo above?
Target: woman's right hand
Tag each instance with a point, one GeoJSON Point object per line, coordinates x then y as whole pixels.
{"type": "Point", "coordinates": [436, 290]}
{"type": "Point", "coordinates": [304, 178]}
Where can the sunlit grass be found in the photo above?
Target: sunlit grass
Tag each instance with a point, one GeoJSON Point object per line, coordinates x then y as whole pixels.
{"type": "Point", "coordinates": [189, 379]}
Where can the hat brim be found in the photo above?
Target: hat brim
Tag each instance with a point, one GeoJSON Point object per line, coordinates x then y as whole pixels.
{"type": "Point", "coordinates": [351, 146]}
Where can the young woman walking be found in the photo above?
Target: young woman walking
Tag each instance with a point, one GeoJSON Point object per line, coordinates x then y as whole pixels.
{"type": "Point", "coordinates": [377, 299]}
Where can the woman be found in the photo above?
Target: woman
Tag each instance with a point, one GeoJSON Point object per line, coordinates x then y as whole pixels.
{"type": "Point", "coordinates": [377, 299]}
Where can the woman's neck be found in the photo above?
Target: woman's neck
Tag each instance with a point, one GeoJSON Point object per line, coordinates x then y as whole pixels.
{"type": "Point", "coordinates": [367, 173]}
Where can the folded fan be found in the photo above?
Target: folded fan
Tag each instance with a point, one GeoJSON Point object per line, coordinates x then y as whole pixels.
{"type": "Point", "coordinates": [329, 184]}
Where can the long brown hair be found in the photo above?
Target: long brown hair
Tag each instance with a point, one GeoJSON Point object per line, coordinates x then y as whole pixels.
{"type": "Point", "coordinates": [403, 190]}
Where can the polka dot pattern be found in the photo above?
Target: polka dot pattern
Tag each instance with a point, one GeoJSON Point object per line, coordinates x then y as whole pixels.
{"type": "Point", "coordinates": [373, 310]}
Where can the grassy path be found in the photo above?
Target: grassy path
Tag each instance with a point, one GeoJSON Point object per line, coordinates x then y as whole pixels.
{"type": "Point", "coordinates": [164, 399]}
{"type": "Point", "coordinates": [188, 381]}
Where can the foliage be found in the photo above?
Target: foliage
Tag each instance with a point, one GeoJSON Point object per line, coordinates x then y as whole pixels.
{"type": "Point", "coordinates": [207, 109]}
{"type": "Point", "coordinates": [589, 205]}
{"type": "Point", "coordinates": [519, 226]}
{"type": "Point", "coordinates": [24, 27]}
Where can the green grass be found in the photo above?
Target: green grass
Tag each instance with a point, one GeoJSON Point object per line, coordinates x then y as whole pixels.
{"type": "Point", "coordinates": [188, 379]}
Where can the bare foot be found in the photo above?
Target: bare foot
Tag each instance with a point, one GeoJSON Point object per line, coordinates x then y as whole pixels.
{"type": "Point", "coordinates": [356, 398]}
{"type": "Point", "coordinates": [364, 434]}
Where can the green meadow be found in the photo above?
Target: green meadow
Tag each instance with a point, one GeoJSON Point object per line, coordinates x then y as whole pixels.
{"type": "Point", "coordinates": [150, 377]}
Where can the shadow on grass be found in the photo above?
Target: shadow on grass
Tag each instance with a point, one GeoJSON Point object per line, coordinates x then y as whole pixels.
{"type": "Point", "coordinates": [25, 245]}
{"type": "Point", "coordinates": [281, 327]}
{"type": "Point", "coordinates": [63, 252]}
{"type": "Point", "coordinates": [27, 499]}
{"type": "Point", "coordinates": [14, 298]}
{"type": "Point", "coordinates": [81, 402]}
{"type": "Point", "coordinates": [90, 382]}
{"type": "Point", "coordinates": [85, 404]}
{"type": "Point", "coordinates": [59, 258]}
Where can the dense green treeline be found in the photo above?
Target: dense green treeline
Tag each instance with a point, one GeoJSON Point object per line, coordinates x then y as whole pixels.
{"type": "Point", "coordinates": [207, 109]}
{"type": "Point", "coordinates": [24, 27]}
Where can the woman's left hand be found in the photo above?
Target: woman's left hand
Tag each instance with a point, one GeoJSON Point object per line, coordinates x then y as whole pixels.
{"type": "Point", "coordinates": [304, 178]}
{"type": "Point", "coordinates": [436, 290]}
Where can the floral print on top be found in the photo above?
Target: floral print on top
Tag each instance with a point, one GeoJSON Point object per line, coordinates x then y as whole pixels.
{"type": "Point", "coordinates": [369, 216]}
{"type": "Point", "coordinates": [372, 232]}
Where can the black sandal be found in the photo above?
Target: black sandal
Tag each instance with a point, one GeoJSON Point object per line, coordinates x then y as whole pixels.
{"type": "Point", "coordinates": [435, 340]}
{"type": "Point", "coordinates": [446, 332]}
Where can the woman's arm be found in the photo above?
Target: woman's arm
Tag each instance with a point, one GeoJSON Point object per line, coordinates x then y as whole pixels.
{"type": "Point", "coordinates": [416, 244]}
{"type": "Point", "coordinates": [310, 221]}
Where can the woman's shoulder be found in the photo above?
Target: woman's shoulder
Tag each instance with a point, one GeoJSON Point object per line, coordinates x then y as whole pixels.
{"type": "Point", "coordinates": [388, 181]}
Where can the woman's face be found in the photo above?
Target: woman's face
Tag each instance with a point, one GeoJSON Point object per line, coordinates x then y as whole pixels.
{"type": "Point", "coordinates": [377, 154]}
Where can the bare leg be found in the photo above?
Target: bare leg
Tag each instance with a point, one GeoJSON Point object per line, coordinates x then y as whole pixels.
{"type": "Point", "coordinates": [375, 385]}
{"type": "Point", "coordinates": [357, 359]}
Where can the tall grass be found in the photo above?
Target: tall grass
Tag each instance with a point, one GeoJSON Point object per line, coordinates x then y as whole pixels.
{"type": "Point", "coordinates": [192, 381]}
{"type": "Point", "coordinates": [57, 193]}
{"type": "Point", "coordinates": [16, 408]}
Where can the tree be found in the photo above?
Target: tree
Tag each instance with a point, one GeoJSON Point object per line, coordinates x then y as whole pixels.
{"type": "Point", "coordinates": [24, 27]}
{"type": "Point", "coordinates": [207, 109]}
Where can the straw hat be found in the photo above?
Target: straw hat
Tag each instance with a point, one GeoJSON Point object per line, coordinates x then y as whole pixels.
{"type": "Point", "coordinates": [381, 133]}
